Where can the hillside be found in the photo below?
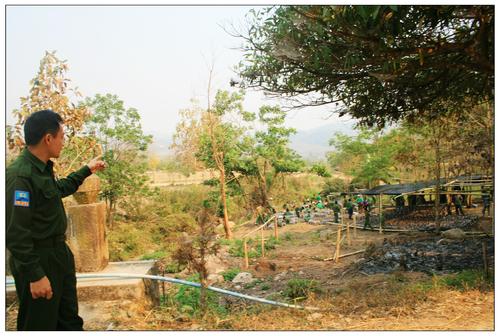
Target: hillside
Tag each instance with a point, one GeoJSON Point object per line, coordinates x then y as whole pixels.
{"type": "Point", "coordinates": [311, 144]}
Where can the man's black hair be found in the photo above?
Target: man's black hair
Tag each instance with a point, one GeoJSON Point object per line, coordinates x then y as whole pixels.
{"type": "Point", "coordinates": [39, 124]}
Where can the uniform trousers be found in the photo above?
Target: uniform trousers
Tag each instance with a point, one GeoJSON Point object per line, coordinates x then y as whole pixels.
{"type": "Point", "coordinates": [61, 311]}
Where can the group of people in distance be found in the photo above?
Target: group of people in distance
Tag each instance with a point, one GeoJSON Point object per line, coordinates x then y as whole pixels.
{"type": "Point", "coordinates": [313, 204]}
{"type": "Point", "coordinates": [361, 204]}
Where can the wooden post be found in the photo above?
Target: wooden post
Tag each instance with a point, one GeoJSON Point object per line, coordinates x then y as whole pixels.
{"type": "Point", "coordinates": [347, 225]}
{"type": "Point", "coordinates": [262, 242]}
{"type": "Point", "coordinates": [337, 248]}
{"type": "Point", "coordinates": [485, 259]}
{"type": "Point", "coordinates": [492, 211]}
{"type": "Point", "coordinates": [245, 251]}
{"type": "Point", "coordinates": [355, 223]}
{"type": "Point", "coordinates": [380, 213]}
{"type": "Point", "coordinates": [275, 226]}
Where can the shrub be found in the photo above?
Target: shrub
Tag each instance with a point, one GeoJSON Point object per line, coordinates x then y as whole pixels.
{"type": "Point", "coordinates": [174, 267]}
{"type": "Point", "coordinates": [154, 255]}
{"type": "Point", "coordinates": [254, 247]}
{"type": "Point", "coordinates": [467, 279]}
{"type": "Point", "coordinates": [236, 249]}
{"type": "Point", "coordinates": [126, 242]}
{"type": "Point", "coordinates": [265, 286]}
{"type": "Point", "coordinates": [253, 284]}
{"type": "Point", "coordinates": [187, 299]}
{"type": "Point", "coordinates": [332, 185]}
{"type": "Point", "coordinates": [230, 274]}
{"type": "Point", "coordinates": [270, 243]}
{"type": "Point", "coordinates": [320, 169]}
{"type": "Point", "coordinates": [300, 288]}
{"type": "Point", "coordinates": [225, 242]}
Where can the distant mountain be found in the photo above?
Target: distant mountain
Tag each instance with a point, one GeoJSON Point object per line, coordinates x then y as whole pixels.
{"type": "Point", "coordinates": [311, 144]}
{"type": "Point", "coordinates": [161, 145]}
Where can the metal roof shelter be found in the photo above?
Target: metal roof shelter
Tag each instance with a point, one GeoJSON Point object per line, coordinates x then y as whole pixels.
{"type": "Point", "coordinates": [471, 181]}
{"type": "Point", "coordinates": [397, 189]}
{"type": "Point", "coordinates": [422, 187]}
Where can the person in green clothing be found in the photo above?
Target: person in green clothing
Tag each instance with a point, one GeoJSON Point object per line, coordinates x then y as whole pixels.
{"type": "Point", "coordinates": [307, 214]}
{"type": "Point", "coordinates": [457, 200]}
{"type": "Point", "coordinates": [336, 211]}
{"type": "Point", "coordinates": [298, 209]}
{"type": "Point", "coordinates": [287, 216]}
{"type": "Point", "coordinates": [486, 198]}
{"type": "Point", "coordinates": [41, 263]}
{"type": "Point", "coordinates": [367, 207]}
{"type": "Point", "coordinates": [350, 208]}
{"type": "Point", "coordinates": [359, 203]}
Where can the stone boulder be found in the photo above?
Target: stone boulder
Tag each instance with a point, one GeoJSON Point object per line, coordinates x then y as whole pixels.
{"type": "Point", "coordinates": [455, 234]}
{"type": "Point", "coordinates": [243, 277]}
{"type": "Point", "coordinates": [266, 266]}
{"type": "Point", "coordinates": [215, 264]}
{"type": "Point", "coordinates": [214, 278]}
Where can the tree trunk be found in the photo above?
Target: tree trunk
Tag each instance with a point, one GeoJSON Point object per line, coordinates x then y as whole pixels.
{"type": "Point", "coordinates": [263, 186]}
{"type": "Point", "coordinates": [227, 229]}
{"type": "Point", "coordinates": [111, 207]}
{"type": "Point", "coordinates": [437, 190]}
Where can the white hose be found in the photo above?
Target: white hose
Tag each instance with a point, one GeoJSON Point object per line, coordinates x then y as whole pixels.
{"type": "Point", "coordinates": [182, 282]}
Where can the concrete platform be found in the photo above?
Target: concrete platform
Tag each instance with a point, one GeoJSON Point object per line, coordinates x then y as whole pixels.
{"type": "Point", "coordinates": [97, 289]}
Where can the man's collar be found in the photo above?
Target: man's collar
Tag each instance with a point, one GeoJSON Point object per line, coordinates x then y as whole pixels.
{"type": "Point", "coordinates": [36, 161]}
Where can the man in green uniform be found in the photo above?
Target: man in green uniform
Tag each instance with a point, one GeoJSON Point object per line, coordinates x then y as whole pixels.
{"type": "Point", "coordinates": [350, 208]}
{"type": "Point", "coordinates": [486, 197]}
{"type": "Point", "coordinates": [41, 263]}
{"type": "Point", "coordinates": [336, 211]}
{"type": "Point", "coordinates": [457, 200]}
{"type": "Point", "coordinates": [368, 207]}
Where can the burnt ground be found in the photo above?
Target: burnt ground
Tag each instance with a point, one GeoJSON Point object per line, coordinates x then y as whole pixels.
{"type": "Point", "coordinates": [303, 254]}
{"type": "Point", "coordinates": [305, 249]}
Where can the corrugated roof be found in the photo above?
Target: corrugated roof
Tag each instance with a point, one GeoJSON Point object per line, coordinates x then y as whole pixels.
{"type": "Point", "coordinates": [397, 189]}
{"type": "Point", "coordinates": [402, 188]}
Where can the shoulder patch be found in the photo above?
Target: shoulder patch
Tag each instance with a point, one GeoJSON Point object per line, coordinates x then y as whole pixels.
{"type": "Point", "coordinates": [21, 198]}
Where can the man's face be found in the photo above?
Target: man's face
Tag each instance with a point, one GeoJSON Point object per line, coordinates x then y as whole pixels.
{"type": "Point", "coordinates": [55, 143]}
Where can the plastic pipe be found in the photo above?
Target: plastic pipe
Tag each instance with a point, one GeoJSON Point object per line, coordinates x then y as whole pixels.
{"type": "Point", "coordinates": [181, 282]}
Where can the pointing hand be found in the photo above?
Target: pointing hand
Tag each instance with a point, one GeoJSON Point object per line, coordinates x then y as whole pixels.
{"type": "Point", "coordinates": [96, 164]}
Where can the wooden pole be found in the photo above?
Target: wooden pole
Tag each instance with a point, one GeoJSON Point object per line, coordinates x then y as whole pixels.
{"type": "Point", "coordinates": [337, 248]}
{"type": "Point", "coordinates": [262, 242]}
{"type": "Point", "coordinates": [492, 210]}
{"type": "Point", "coordinates": [275, 227]}
{"type": "Point", "coordinates": [485, 259]}
{"type": "Point", "coordinates": [245, 251]}
{"type": "Point", "coordinates": [346, 255]}
{"type": "Point", "coordinates": [347, 225]}
{"type": "Point", "coordinates": [355, 224]}
{"type": "Point", "coordinates": [380, 213]}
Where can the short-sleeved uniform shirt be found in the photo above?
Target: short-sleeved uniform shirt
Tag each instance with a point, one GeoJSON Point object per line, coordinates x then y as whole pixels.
{"type": "Point", "coordinates": [34, 208]}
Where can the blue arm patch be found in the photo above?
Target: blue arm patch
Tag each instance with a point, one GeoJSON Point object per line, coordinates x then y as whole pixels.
{"type": "Point", "coordinates": [21, 198]}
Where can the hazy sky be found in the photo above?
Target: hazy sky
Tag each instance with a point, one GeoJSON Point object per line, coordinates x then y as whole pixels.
{"type": "Point", "coordinates": [155, 58]}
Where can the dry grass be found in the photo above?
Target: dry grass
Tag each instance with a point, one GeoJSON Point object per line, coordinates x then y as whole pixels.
{"type": "Point", "coordinates": [381, 302]}
{"type": "Point", "coordinates": [442, 309]}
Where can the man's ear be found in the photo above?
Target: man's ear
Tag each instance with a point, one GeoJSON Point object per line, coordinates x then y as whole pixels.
{"type": "Point", "coordinates": [47, 138]}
